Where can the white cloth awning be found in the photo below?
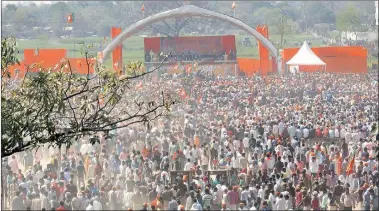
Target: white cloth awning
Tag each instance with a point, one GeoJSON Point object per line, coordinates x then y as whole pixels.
{"type": "Point", "coordinates": [305, 56]}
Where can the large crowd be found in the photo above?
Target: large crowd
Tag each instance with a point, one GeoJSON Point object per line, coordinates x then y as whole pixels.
{"type": "Point", "coordinates": [281, 142]}
{"type": "Point", "coordinates": [190, 56]}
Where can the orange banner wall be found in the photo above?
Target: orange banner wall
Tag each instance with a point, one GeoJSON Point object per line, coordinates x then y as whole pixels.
{"type": "Point", "coordinates": [117, 52]}
{"type": "Point", "coordinates": [79, 65]}
{"type": "Point", "coordinates": [46, 57]}
{"type": "Point", "coordinates": [249, 66]}
{"type": "Point", "coordinates": [263, 51]}
{"type": "Point", "coordinates": [152, 44]}
{"type": "Point", "coordinates": [229, 43]}
{"type": "Point", "coordinates": [21, 70]}
{"type": "Point", "coordinates": [340, 59]}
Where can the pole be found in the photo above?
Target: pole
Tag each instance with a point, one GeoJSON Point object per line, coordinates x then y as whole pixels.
{"type": "Point", "coordinates": [73, 34]}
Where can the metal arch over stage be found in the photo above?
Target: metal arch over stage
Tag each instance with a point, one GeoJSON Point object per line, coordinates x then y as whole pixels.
{"type": "Point", "coordinates": [188, 10]}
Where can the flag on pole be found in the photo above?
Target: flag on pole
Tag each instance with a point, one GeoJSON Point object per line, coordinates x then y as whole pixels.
{"type": "Point", "coordinates": [199, 99]}
{"type": "Point", "coordinates": [183, 94]}
{"type": "Point", "coordinates": [234, 5]}
{"type": "Point", "coordinates": [188, 69]}
{"type": "Point", "coordinates": [350, 166]}
{"type": "Point", "coordinates": [101, 99]}
{"type": "Point", "coordinates": [195, 66]}
{"type": "Point", "coordinates": [139, 85]}
{"type": "Point", "coordinates": [143, 7]}
{"type": "Point", "coordinates": [176, 67]}
{"type": "Point", "coordinates": [70, 18]}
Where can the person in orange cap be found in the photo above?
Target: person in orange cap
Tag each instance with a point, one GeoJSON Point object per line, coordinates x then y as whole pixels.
{"type": "Point", "coordinates": [181, 207]}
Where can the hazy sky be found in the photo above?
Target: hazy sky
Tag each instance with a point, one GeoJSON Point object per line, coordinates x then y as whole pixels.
{"type": "Point", "coordinates": [4, 3]}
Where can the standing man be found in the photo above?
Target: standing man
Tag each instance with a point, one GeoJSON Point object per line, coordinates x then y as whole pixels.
{"type": "Point", "coordinates": [347, 200]}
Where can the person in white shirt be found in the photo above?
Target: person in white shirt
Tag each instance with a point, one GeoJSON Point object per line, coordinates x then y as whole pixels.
{"type": "Point", "coordinates": [275, 129]}
{"type": "Point", "coordinates": [336, 133]}
{"type": "Point", "coordinates": [245, 143]}
{"type": "Point", "coordinates": [97, 204]}
{"type": "Point", "coordinates": [313, 166]}
{"type": "Point", "coordinates": [348, 136]}
{"type": "Point", "coordinates": [90, 206]}
{"type": "Point", "coordinates": [305, 132]}
{"type": "Point", "coordinates": [343, 132]}
{"type": "Point", "coordinates": [204, 161]}
{"type": "Point", "coordinates": [13, 164]}
{"type": "Point", "coordinates": [188, 165]}
{"type": "Point", "coordinates": [235, 161]}
{"type": "Point", "coordinates": [280, 203]}
{"type": "Point", "coordinates": [245, 194]}
{"type": "Point", "coordinates": [237, 145]}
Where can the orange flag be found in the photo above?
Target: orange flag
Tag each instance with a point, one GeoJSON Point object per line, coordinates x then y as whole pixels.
{"type": "Point", "coordinates": [199, 99]}
{"type": "Point", "coordinates": [143, 7]}
{"type": "Point", "coordinates": [70, 18]}
{"type": "Point", "coordinates": [350, 167]}
{"type": "Point", "coordinates": [139, 85]}
{"type": "Point", "coordinates": [182, 94]}
{"type": "Point", "coordinates": [176, 67]}
{"type": "Point", "coordinates": [188, 69]}
{"type": "Point", "coordinates": [234, 5]}
{"type": "Point", "coordinates": [195, 66]}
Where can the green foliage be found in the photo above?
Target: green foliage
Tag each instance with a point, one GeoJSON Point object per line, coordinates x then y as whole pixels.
{"type": "Point", "coordinates": [8, 55]}
{"type": "Point", "coordinates": [97, 17]}
{"type": "Point", "coordinates": [348, 19]}
{"type": "Point", "coordinates": [58, 107]}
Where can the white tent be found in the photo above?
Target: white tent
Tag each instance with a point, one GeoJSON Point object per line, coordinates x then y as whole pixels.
{"type": "Point", "coordinates": [305, 56]}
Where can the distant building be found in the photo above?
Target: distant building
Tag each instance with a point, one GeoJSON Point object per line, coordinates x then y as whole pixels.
{"type": "Point", "coordinates": [360, 36]}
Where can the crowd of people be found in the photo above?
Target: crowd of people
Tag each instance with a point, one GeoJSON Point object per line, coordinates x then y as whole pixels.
{"type": "Point", "coordinates": [190, 56]}
{"type": "Point", "coordinates": [281, 142]}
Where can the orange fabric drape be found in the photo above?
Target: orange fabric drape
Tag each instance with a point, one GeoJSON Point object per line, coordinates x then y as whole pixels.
{"type": "Point", "coordinates": [117, 52]}
{"type": "Point", "coordinates": [249, 66]}
{"type": "Point", "coordinates": [21, 70]}
{"type": "Point", "coordinates": [338, 59]}
{"type": "Point", "coordinates": [229, 43]}
{"type": "Point", "coordinates": [45, 57]}
{"type": "Point", "coordinates": [79, 65]}
{"type": "Point", "coordinates": [263, 51]}
{"type": "Point", "coordinates": [152, 44]}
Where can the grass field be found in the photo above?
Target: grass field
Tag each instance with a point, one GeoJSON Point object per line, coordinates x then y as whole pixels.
{"type": "Point", "coordinates": [133, 46]}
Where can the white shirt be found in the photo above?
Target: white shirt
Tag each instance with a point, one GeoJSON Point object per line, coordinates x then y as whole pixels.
{"type": "Point", "coordinates": [313, 166]}
{"type": "Point", "coordinates": [245, 142]}
{"type": "Point", "coordinates": [236, 144]}
{"type": "Point", "coordinates": [275, 129]}
{"type": "Point", "coordinates": [348, 137]}
{"type": "Point", "coordinates": [305, 132]}
{"type": "Point", "coordinates": [14, 165]}
{"type": "Point", "coordinates": [342, 132]}
{"type": "Point", "coordinates": [188, 166]}
{"type": "Point", "coordinates": [281, 204]}
{"type": "Point", "coordinates": [204, 160]}
{"type": "Point", "coordinates": [336, 133]}
{"type": "Point", "coordinates": [89, 207]}
{"type": "Point", "coordinates": [235, 162]}
{"type": "Point", "coordinates": [97, 205]}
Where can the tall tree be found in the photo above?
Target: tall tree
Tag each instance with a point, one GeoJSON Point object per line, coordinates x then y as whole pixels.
{"type": "Point", "coordinates": [58, 107]}
{"type": "Point", "coordinates": [348, 20]}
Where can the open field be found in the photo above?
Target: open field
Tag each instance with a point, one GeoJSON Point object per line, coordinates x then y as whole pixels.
{"type": "Point", "coordinates": [133, 46]}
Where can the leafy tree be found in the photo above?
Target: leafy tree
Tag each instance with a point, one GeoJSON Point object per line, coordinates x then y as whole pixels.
{"type": "Point", "coordinates": [57, 107]}
{"type": "Point", "coordinates": [320, 13]}
{"type": "Point", "coordinates": [280, 22]}
{"type": "Point", "coordinates": [11, 7]}
{"type": "Point", "coordinates": [348, 19]}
